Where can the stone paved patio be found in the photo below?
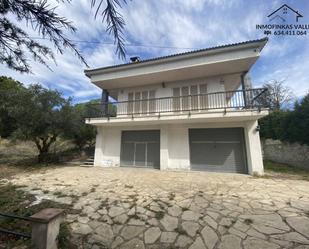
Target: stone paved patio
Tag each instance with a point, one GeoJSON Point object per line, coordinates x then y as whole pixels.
{"type": "Point", "coordinates": [140, 208]}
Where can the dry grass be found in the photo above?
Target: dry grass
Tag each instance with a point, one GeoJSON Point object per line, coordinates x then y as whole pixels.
{"type": "Point", "coordinates": [284, 171]}
{"type": "Point", "coordinates": [15, 201]}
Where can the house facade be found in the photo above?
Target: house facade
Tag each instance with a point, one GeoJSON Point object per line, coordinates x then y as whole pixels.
{"type": "Point", "coordinates": [191, 111]}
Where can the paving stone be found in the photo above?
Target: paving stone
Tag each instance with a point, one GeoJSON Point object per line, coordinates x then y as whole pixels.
{"type": "Point", "coordinates": [282, 243]}
{"type": "Point", "coordinates": [210, 237]}
{"type": "Point", "coordinates": [128, 232]}
{"type": "Point", "coordinates": [299, 204]}
{"type": "Point", "coordinates": [300, 224]}
{"type": "Point", "coordinates": [95, 216]}
{"type": "Point", "coordinates": [102, 211]}
{"type": "Point", "coordinates": [169, 223]}
{"type": "Point", "coordinates": [121, 219]}
{"type": "Point", "coordinates": [174, 211]}
{"type": "Point", "coordinates": [131, 211]}
{"type": "Point", "coordinates": [152, 234]}
{"type": "Point", "coordinates": [153, 222]}
{"type": "Point", "coordinates": [94, 224]}
{"type": "Point", "coordinates": [155, 208]}
{"type": "Point", "coordinates": [230, 241]}
{"type": "Point", "coordinates": [270, 220]}
{"type": "Point", "coordinates": [237, 233]}
{"type": "Point", "coordinates": [134, 244]}
{"type": "Point", "coordinates": [71, 217]}
{"type": "Point", "coordinates": [117, 242]}
{"type": "Point", "coordinates": [117, 228]}
{"type": "Point", "coordinates": [150, 213]}
{"type": "Point", "coordinates": [136, 222]}
{"type": "Point", "coordinates": [198, 244]}
{"type": "Point", "coordinates": [241, 226]}
{"type": "Point", "coordinates": [227, 222]}
{"type": "Point", "coordinates": [183, 241]}
{"type": "Point", "coordinates": [106, 219]}
{"type": "Point", "coordinates": [210, 221]}
{"type": "Point", "coordinates": [106, 232]}
{"type": "Point", "coordinates": [213, 215]}
{"type": "Point", "coordinates": [190, 227]}
{"type": "Point", "coordinates": [293, 236]}
{"type": "Point", "coordinates": [115, 211]}
{"type": "Point", "coordinates": [266, 229]}
{"type": "Point", "coordinates": [276, 223]}
{"type": "Point", "coordinates": [80, 228]}
{"type": "Point", "coordinates": [140, 210]}
{"type": "Point", "coordinates": [255, 243]}
{"type": "Point", "coordinates": [302, 247]}
{"type": "Point", "coordinates": [252, 232]}
{"type": "Point", "coordinates": [168, 237]}
{"type": "Point", "coordinates": [189, 215]}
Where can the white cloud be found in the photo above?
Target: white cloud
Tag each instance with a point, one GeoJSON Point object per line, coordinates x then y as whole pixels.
{"type": "Point", "coordinates": [168, 23]}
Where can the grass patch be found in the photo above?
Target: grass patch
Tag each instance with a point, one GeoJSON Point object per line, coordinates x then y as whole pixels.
{"type": "Point", "coordinates": [180, 230]}
{"type": "Point", "coordinates": [60, 194]}
{"type": "Point", "coordinates": [285, 169]}
{"type": "Point", "coordinates": [15, 201]}
{"type": "Point", "coordinates": [248, 221]}
{"type": "Point", "coordinates": [34, 189]}
{"type": "Point", "coordinates": [171, 196]}
{"type": "Point", "coordinates": [159, 215]}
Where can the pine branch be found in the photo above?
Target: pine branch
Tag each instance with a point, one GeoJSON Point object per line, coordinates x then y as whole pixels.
{"type": "Point", "coordinates": [115, 22]}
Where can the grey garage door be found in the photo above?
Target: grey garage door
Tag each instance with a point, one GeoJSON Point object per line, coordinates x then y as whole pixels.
{"type": "Point", "coordinates": [140, 148]}
{"type": "Point", "coordinates": [220, 150]}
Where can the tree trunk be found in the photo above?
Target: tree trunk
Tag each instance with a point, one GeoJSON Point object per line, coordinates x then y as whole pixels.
{"type": "Point", "coordinates": [43, 145]}
{"type": "Point", "coordinates": [43, 152]}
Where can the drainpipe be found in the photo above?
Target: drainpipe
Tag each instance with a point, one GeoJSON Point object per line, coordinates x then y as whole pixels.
{"type": "Point", "coordinates": [104, 102]}
{"type": "Point", "coordinates": [242, 77]}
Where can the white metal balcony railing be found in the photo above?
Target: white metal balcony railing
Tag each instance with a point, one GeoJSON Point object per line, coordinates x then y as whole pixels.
{"type": "Point", "coordinates": [240, 99]}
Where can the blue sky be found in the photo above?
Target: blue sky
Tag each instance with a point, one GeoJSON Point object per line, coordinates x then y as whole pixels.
{"type": "Point", "coordinates": [185, 24]}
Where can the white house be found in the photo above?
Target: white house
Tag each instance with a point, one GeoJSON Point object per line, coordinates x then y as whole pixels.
{"type": "Point", "coordinates": [188, 111]}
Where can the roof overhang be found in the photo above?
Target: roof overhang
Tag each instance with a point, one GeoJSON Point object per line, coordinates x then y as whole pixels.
{"type": "Point", "coordinates": [228, 59]}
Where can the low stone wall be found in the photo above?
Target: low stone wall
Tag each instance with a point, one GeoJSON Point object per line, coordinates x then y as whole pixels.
{"type": "Point", "coordinates": [293, 154]}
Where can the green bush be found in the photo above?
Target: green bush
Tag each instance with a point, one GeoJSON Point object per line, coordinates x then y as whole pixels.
{"type": "Point", "coordinates": [290, 126]}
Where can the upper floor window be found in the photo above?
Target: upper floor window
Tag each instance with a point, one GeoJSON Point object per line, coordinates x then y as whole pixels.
{"type": "Point", "coordinates": [190, 97]}
{"type": "Point", "coordinates": [141, 102]}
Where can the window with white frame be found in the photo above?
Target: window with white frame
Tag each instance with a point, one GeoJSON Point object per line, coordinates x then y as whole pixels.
{"type": "Point", "coordinates": [192, 97]}
{"type": "Point", "coordinates": [141, 102]}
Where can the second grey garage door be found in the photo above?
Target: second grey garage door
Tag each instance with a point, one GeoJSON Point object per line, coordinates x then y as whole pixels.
{"type": "Point", "coordinates": [219, 149]}
{"type": "Point", "coordinates": [140, 148]}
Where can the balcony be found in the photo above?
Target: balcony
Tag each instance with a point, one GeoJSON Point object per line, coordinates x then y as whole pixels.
{"type": "Point", "coordinates": [246, 100]}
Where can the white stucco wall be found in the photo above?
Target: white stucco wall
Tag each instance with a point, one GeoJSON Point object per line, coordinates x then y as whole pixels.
{"type": "Point", "coordinates": [174, 144]}
{"type": "Point", "coordinates": [107, 148]}
{"type": "Point", "coordinates": [253, 147]}
{"type": "Point", "coordinates": [214, 84]}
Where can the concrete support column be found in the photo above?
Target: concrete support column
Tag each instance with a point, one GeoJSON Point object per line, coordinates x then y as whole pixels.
{"type": "Point", "coordinates": [99, 146]}
{"type": "Point", "coordinates": [253, 148]}
{"type": "Point", "coordinates": [104, 102]}
{"type": "Point", "coordinates": [164, 147]}
{"type": "Point", "coordinates": [178, 148]}
{"type": "Point", "coordinates": [45, 228]}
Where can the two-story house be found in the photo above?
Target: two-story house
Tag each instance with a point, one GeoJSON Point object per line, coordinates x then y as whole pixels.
{"type": "Point", "coordinates": [189, 111]}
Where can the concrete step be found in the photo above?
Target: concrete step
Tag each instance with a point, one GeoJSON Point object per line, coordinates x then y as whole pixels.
{"type": "Point", "coordinates": [88, 163]}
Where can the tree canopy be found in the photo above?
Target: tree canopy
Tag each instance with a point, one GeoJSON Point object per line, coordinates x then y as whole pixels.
{"type": "Point", "coordinates": [9, 89]}
{"type": "Point", "coordinates": [42, 115]}
{"type": "Point", "coordinates": [16, 45]}
{"type": "Point", "coordinates": [288, 125]}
